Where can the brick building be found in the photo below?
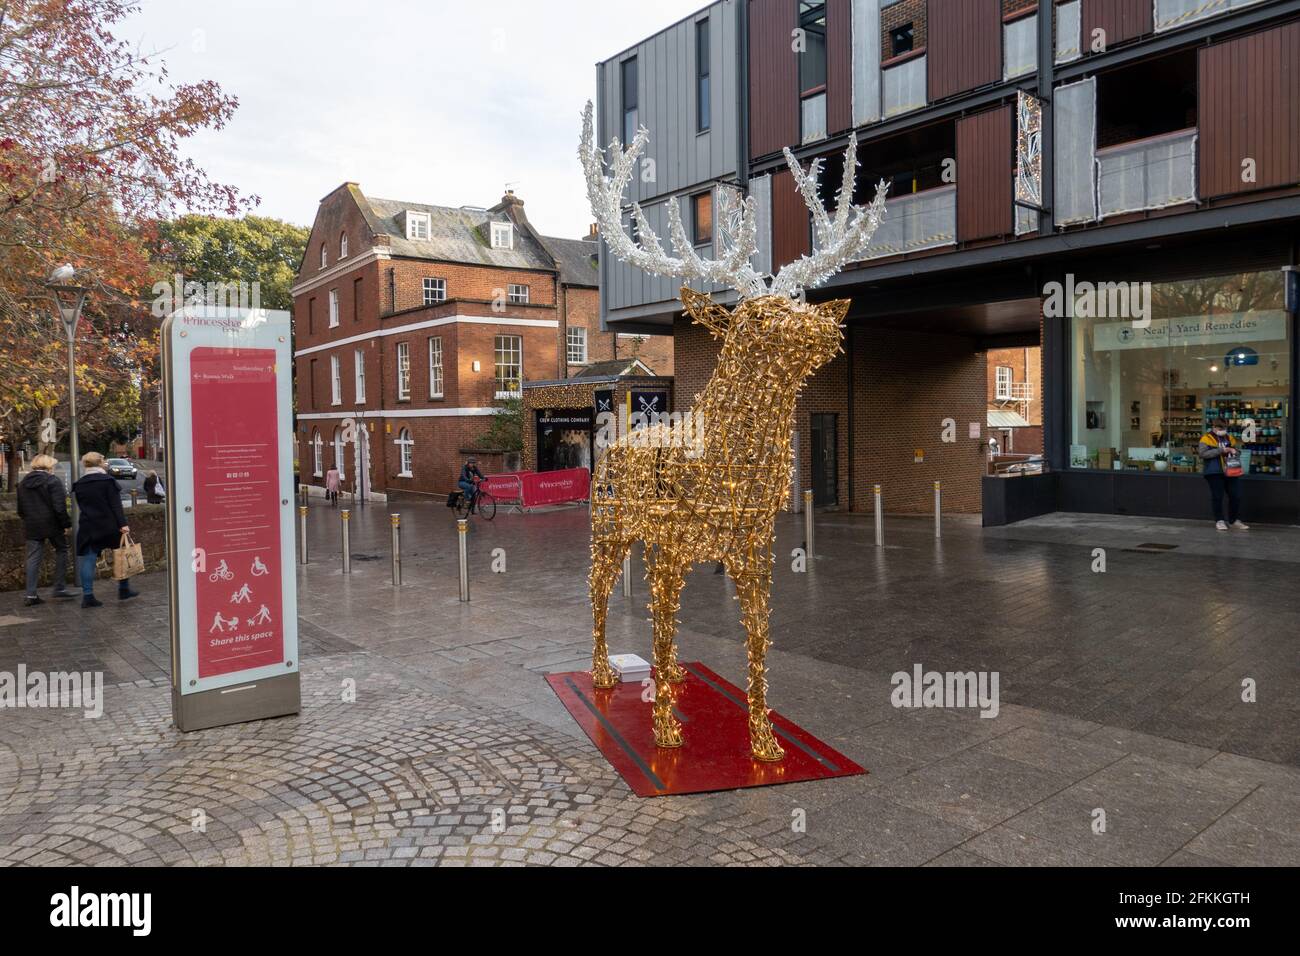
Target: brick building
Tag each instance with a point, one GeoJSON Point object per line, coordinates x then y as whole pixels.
{"type": "Point", "coordinates": [1047, 161]}
{"type": "Point", "coordinates": [413, 324]}
{"type": "Point", "coordinates": [1015, 399]}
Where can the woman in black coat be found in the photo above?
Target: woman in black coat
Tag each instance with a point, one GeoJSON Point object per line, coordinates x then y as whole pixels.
{"type": "Point", "coordinates": [100, 526]}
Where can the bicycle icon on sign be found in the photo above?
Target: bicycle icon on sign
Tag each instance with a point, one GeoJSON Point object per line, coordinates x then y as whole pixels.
{"type": "Point", "coordinates": [222, 573]}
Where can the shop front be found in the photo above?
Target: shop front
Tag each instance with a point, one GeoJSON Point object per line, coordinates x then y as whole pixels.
{"type": "Point", "coordinates": [1143, 387]}
{"type": "Point", "coordinates": [566, 422]}
{"type": "Point", "coordinates": [565, 438]}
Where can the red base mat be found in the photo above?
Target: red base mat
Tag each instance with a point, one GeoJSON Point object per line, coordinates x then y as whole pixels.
{"type": "Point", "coordinates": [715, 726]}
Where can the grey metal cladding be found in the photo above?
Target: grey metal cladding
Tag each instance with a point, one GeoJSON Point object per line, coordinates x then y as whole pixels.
{"type": "Point", "coordinates": [684, 160]}
{"type": "Point", "coordinates": [666, 103]}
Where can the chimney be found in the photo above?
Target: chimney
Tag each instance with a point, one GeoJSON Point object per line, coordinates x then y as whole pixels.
{"type": "Point", "coordinates": [592, 231]}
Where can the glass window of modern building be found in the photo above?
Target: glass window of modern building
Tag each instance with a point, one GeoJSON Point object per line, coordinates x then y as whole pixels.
{"type": "Point", "coordinates": [1144, 394]}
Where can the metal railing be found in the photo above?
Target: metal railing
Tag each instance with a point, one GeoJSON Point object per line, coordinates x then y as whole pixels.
{"type": "Point", "coordinates": [1147, 173]}
{"type": "Point", "coordinates": [923, 220]}
{"type": "Point", "coordinates": [1014, 392]}
{"type": "Point", "coordinates": [904, 87]}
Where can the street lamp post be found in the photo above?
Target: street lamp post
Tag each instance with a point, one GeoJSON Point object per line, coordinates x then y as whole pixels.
{"type": "Point", "coordinates": [69, 299]}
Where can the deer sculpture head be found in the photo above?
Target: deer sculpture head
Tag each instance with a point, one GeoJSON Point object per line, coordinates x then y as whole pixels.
{"type": "Point", "coordinates": [773, 339]}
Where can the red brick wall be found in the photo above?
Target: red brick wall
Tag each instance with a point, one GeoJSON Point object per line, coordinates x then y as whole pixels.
{"type": "Point", "coordinates": [905, 385]}
{"type": "Point", "coordinates": [475, 283]}
{"type": "Point", "coordinates": [896, 16]}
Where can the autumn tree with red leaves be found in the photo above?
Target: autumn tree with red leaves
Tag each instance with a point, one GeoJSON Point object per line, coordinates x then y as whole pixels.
{"type": "Point", "coordinates": [90, 161]}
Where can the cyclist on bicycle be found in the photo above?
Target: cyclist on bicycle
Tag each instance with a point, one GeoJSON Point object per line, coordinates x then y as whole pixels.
{"type": "Point", "coordinates": [470, 476]}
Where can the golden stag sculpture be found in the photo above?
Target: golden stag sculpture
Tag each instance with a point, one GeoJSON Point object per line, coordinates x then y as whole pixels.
{"type": "Point", "coordinates": [716, 498]}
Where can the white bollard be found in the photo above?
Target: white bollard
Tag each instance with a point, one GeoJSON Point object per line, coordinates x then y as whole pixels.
{"type": "Point", "coordinates": [462, 534]}
{"type": "Point", "coordinates": [396, 521]}
{"type": "Point", "coordinates": [880, 521]}
{"type": "Point", "coordinates": [808, 523]}
{"type": "Point", "coordinates": [302, 533]}
{"type": "Point", "coordinates": [938, 510]}
{"type": "Point", "coordinates": [347, 546]}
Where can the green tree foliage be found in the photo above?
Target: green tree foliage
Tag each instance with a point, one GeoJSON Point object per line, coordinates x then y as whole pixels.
{"type": "Point", "coordinates": [506, 433]}
{"type": "Point", "coordinates": [248, 249]}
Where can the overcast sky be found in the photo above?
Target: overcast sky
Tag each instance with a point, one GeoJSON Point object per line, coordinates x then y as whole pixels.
{"type": "Point", "coordinates": [436, 101]}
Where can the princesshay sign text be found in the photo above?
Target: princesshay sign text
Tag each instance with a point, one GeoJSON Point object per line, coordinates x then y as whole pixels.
{"type": "Point", "coordinates": [1228, 329]}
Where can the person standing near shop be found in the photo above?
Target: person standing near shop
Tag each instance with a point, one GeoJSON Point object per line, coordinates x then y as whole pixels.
{"type": "Point", "coordinates": [43, 506]}
{"type": "Point", "coordinates": [1222, 460]}
{"type": "Point", "coordinates": [101, 526]}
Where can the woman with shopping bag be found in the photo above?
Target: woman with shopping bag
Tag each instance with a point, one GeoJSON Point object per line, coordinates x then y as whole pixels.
{"type": "Point", "coordinates": [102, 527]}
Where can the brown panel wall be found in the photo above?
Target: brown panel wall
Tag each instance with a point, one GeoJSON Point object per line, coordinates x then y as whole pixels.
{"type": "Point", "coordinates": [904, 382]}
{"type": "Point", "coordinates": [1120, 19]}
{"type": "Point", "coordinates": [791, 231]}
{"type": "Point", "coordinates": [965, 46]}
{"type": "Point", "coordinates": [839, 66]}
{"type": "Point", "coordinates": [1249, 89]}
{"type": "Point", "coordinates": [773, 77]}
{"type": "Point", "coordinates": [984, 175]}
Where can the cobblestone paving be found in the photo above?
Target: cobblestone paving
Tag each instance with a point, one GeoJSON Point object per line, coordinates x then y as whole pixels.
{"type": "Point", "coordinates": [1119, 692]}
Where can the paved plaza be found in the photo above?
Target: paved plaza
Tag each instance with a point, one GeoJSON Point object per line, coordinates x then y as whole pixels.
{"type": "Point", "coordinates": [1120, 702]}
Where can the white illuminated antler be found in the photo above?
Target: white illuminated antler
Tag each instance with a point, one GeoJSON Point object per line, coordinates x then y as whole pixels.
{"type": "Point", "coordinates": [734, 269]}
{"type": "Point", "coordinates": [839, 240]}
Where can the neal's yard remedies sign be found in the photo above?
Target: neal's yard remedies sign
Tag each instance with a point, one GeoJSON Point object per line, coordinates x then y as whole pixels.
{"type": "Point", "coordinates": [227, 388]}
{"type": "Point", "coordinates": [1225, 329]}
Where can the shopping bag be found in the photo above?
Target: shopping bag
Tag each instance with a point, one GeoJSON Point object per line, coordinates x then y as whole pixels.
{"type": "Point", "coordinates": [128, 559]}
{"type": "Point", "coordinates": [1232, 466]}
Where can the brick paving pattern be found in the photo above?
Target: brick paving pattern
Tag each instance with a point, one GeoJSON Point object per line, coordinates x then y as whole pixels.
{"type": "Point", "coordinates": [1119, 691]}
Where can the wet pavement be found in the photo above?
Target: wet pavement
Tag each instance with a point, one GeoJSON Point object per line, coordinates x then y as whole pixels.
{"type": "Point", "coordinates": [1121, 734]}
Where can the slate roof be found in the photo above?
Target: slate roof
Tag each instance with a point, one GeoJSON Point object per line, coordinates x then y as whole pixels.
{"type": "Point", "coordinates": [455, 235]}
{"type": "Point", "coordinates": [615, 367]}
{"type": "Point", "coordinates": [576, 259]}
{"type": "Point", "coordinates": [464, 235]}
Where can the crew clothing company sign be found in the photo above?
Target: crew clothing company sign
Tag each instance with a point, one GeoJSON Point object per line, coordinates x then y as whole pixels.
{"type": "Point", "coordinates": [233, 503]}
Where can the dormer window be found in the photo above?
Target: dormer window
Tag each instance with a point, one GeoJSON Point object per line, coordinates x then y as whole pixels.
{"type": "Point", "coordinates": [417, 225]}
{"type": "Point", "coordinates": [343, 246]}
{"type": "Point", "coordinates": [324, 256]}
{"type": "Point", "coordinates": [503, 235]}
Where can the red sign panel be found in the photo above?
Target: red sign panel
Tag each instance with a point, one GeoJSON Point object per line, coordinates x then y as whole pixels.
{"type": "Point", "coordinates": [236, 509]}
{"type": "Point", "coordinates": [533, 488]}
{"type": "Point", "coordinates": [556, 487]}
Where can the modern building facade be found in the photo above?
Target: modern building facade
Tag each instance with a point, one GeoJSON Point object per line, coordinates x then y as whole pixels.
{"type": "Point", "coordinates": [1114, 182]}
{"type": "Point", "coordinates": [415, 325]}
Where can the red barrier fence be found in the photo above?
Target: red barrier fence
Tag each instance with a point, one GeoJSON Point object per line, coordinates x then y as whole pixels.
{"type": "Point", "coordinates": [532, 489]}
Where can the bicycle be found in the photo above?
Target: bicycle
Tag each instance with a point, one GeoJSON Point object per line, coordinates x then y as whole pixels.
{"type": "Point", "coordinates": [481, 502]}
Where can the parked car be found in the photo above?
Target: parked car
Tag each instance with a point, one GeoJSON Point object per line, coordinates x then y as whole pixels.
{"type": "Point", "coordinates": [122, 468]}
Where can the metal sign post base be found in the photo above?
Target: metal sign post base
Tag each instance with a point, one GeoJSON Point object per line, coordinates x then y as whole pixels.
{"type": "Point", "coordinates": [257, 700]}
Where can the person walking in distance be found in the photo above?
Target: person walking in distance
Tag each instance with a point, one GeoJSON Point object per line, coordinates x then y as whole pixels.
{"type": "Point", "coordinates": [101, 527]}
{"type": "Point", "coordinates": [1223, 469]}
{"type": "Point", "coordinates": [43, 506]}
{"type": "Point", "coordinates": [154, 492]}
{"type": "Point", "coordinates": [332, 485]}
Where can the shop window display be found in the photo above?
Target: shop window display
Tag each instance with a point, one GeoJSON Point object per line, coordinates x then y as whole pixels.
{"type": "Point", "coordinates": [1143, 395]}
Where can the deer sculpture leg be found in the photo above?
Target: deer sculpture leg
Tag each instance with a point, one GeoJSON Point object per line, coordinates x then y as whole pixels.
{"type": "Point", "coordinates": [667, 576]}
{"type": "Point", "coordinates": [754, 586]}
{"type": "Point", "coordinates": [606, 562]}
